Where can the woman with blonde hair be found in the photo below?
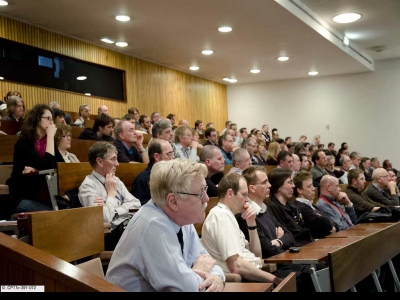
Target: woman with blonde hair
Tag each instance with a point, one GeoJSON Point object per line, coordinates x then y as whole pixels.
{"type": "Point", "coordinates": [62, 140]}
{"type": "Point", "coordinates": [317, 140]}
{"type": "Point", "coordinates": [272, 155]}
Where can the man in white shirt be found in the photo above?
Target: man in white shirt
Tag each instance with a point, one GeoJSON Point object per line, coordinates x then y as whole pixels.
{"type": "Point", "coordinates": [103, 188]}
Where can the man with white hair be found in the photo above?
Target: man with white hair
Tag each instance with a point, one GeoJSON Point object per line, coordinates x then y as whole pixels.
{"type": "Point", "coordinates": [240, 160]}
{"type": "Point", "coordinates": [382, 190]}
{"type": "Point", "coordinates": [161, 251]}
{"type": "Point", "coordinates": [335, 203]}
{"type": "Point", "coordinates": [103, 110]}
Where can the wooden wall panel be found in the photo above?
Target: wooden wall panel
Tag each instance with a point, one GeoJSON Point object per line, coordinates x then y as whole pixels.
{"type": "Point", "coordinates": [149, 87]}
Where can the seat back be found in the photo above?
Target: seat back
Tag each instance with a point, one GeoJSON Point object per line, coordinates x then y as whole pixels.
{"type": "Point", "coordinates": [70, 234]}
{"type": "Point", "coordinates": [211, 203]}
{"type": "Point", "coordinates": [288, 285]}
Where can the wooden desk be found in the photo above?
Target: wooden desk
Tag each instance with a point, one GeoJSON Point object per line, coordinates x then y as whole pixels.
{"type": "Point", "coordinates": [240, 287]}
{"type": "Point", "coordinates": [372, 225]}
{"type": "Point", "coordinates": [305, 256]}
{"type": "Point", "coordinates": [331, 243]}
{"type": "Point", "coordinates": [354, 233]}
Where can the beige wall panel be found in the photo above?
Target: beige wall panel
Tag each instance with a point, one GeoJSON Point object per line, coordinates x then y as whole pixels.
{"type": "Point", "coordinates": [149, 87]}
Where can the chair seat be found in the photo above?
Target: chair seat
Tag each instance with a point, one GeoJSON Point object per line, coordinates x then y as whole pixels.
{"type": "Point", "coordinates": [4, 190]}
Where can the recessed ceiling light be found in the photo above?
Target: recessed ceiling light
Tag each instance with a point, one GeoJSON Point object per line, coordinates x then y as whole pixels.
{"type": "Point", "coordinates": [347, 18]}
{"type": "Point", "coordinates": [233, 80]}
{"type": "Point", "coordinates": [3, 3]}
{"type": "Point", "coordinates": [226, 79]}
{"type": "Point", "coordinates": [207, 52]}
{"type": "Point", "coordinates": [230, 80]}
{"type": "Point", "coordinates": [108, 41]}
{"type": "Point", "coordinates": [88, 94]}
{"type": "Point", "coordinates": [194, 68]}
{"type": "Point", "coordinates": [313, 73]}
{"type": "Point", "coordinates": [283, 58]}
{"type": "Point", "coordinates": [1, 78]}
{"type": "Point", "coordinates": [123, 18]}
{"type": "Point", "coordinates": [81, 78]}
{"type": "Point", "coordinates": [225, 29]}
{"type": "Point", "coordinates": [255, 71]}
{"type": "Point", "coordinates": [121, 44]}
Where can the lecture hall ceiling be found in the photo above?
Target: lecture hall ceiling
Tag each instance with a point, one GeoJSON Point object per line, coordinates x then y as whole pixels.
{"type": "Point", "coordinates": [173, 33]}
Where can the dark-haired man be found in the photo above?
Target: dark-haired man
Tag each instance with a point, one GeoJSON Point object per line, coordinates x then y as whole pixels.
{"type": "Point", "coordinates": [101, 131]}
{"type": "Point", "coordinates": [211, 136]}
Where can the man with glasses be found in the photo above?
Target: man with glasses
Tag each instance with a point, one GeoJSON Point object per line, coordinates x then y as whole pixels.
{"type": "Point", "coordinates": [222, 238]}
{"type": "Point", "coordinates": [159, 150]}
{"type": "Point", "coordinates": [382, 190]}
{"type": "Point", "coordinates": [129, 144]}
{"type": "Point", "coordinates": [283, 208]}
{"type": "Point", "coordinates": [211, 136]}
{"type": "Point", "coordinates": [226, 144]}
{"type": "Point", "coordinates": [345, 163]}
{"type": "Point", "coordinates": [103, 188]}
{"type": "Point", "coordinates": [184, 145]}
{"type": "Point", "coordinates": [161, 251]}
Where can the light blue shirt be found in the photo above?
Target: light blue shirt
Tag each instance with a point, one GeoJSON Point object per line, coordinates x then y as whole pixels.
{"type": "Point", "coordinates": [148, 257]}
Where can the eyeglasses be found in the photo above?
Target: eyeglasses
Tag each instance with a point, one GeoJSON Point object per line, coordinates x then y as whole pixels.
{"type": "Point", "coordinates": [262, 183]}
{"type": "Point", "coordinates": [114, 159]}
{"type": "Point", "coordinates": [50, 119]}
{"type": "Point", "coordinates": [199, 196]}
{"type": "Point", "coordinates": [386, 176]}
{"type": "Point", "coordinates": [168, 153]}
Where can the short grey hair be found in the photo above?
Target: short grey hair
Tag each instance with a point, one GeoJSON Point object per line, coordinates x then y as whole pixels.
{"type": "Point", "coordinates": [100, 150]}
{"type": "Point", "coordinates": [207, 152]}
{"type": "Point", "coordinates": [237, 155]}
{"type": "Point", "coordinates": [174, 175]}
{"type": "Point", "coordinates": [159, 126]}
{"type": "Point", "coordinates": [52, 104]}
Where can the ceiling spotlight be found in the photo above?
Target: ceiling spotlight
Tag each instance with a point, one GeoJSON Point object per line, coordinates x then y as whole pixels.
{"type": "Point", "coordinates": [233, 81]}
{"type": "Point", "coordinates": [226, 79]}
{"type": "Point", "coordinates": [207, 52]}
{"type": "Point", "coordinates": [88, 94]}
{"type": "Point", "coordinates": [225, 29]}
{"type": "Point", "coordinates": [108, 41]}
{"type": "Point", "coordinates": [255, 71]}
{"type": "Point", "coordinates": [121, 44]}
{"type": "Point", "coordinates": [313, 73]}
{"type": "Point", "coordinates": [194, 68]}
{"type": "Point", "coordinates": [3, 3]}
{"type": "Point", "coordinates": [1, 78]}
{"type": "Point", "coordinates": [347, 18]}
{"type": "Point", "coordinates": [123, 18]}
{"type": "Point", "coordinates": [283, 58]}
{"type": "Point", "coordinates": [81, 78]}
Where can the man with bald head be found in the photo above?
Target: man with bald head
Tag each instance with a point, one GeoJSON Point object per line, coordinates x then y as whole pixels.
{"type": "Point", "coordinates": [382, 190]}
{"type": "Point", "coordinates": [335, 203]}
{"type": "Point", "coordinates": [183, 122]}
{"type": "Point", "coordinates": [129, 143]}
{"type": "Point", "coordinates": [212, 157]}
{"type": "Point", "coordinates": [103, 110]}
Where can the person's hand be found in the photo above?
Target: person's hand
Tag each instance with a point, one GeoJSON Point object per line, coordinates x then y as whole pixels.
{"type": "Point", "coordinates": [111, 185]}
{"type": "Point", "coordinates": [98, 201]}
{"type": "Point", "coordinates": [204, 263]}
{"type": "Point", "coordinates": [51, 130]}
{"type": "Point", "coordinates": [343, 199]}
{"type": "Point", "coordinates": [249, 214]}
{"type": "Point", "coordinates": [2, 133]}
{"type": "Point", "coordinates": [211, 283]}
{"type": "Point", "coordinates": [194, 145]}
{"type": "Point", "coordinates": [29, 170]}
{"type": "Point", "coordinates": [279, 232]}
{"type": "Point", "coordinates": [139, 140]}
{"type": "Point", "coordinates": [392, 187]}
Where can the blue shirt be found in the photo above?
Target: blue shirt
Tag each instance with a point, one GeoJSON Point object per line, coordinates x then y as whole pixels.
{"type": "Point", "coordinates": [148, 257]}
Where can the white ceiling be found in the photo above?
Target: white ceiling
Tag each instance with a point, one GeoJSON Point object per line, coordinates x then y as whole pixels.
{"type": "Point", "coordinates": [174, 32]}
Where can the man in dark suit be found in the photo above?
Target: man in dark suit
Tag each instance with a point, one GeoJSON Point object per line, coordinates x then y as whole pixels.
{"type": "Point", "coordinates": [382, 190]}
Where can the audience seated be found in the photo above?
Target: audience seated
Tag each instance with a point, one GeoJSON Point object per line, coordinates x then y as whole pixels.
{"type": "Point", "coordinates": [258, 154]}
{"type": "Point", "coordinates": [382, 190]}
{"type": "Point", "coordinates": [158, 150]}
{"type": "Point", "coordinates": [365, 166]}
{"type": "Point", "coordinates": [16, 109]}
{"type": "Point", "coordinates": [155, 117]}
{"type": "Point", "coordinates": [34, 151]}
{"type": "Point", "coordinates": [345, 163]}
{"type": "Point", "coordinates": [285, 160]}
{"type": "Point", "coordinates": [150, 257]}
{"type": "Point", "coordinates": [145, 124]}
{"type": "Point", "coordinates": [196, 138]}
{"type": "Point", "coordinates": [62, 139]}
{"type": "Point", "coordinates": [84, 113]}
{"type": "Point", "coordinates": [101, 130]}
{"type": "Point", "coordinates": [355, 160]}
{"type": "Point", "coordinates": [103, 188]}
{"type": "Point", "coordinates": [211, 136]}
{"type": "Point", "coordinates": [129, 144]}
{"type": "Point", "coordinates": [331, 170]}
{"type": "Point", "coordinates": [136, 114]}
{"type": "Point", "coordinates": [172, 118]}
{"type": "Point", "coordinates": [387, 165]}
{"type": "Point", "coordinates": [318, 170]}
{"type": "Point", "coordinates": [342, 151]}
{"type": "Point", "coordinates": [184, 144]}
{"type": "Point", "coordinates": [265, 133]}
{"type": "Point", "coordinates": [198, 126]}
{"type": "Point", "coordinates": [58, 116]}
{"type": "Point", "coordinates": [211, 156]}
{"type": "Point", "coordinates": [223, 239]}
{"type": "Point", "coordinates": [305, 162]}
{"type": "Point", "coordinates": [272, 154]}
{"type": "Point", "coordinates": [283, 208]}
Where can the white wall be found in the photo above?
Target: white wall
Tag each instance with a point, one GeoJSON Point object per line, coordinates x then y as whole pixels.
{"type": "Point", "coordinates": [360, 109]}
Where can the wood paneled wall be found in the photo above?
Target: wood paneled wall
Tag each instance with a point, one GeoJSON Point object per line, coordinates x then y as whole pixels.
{"type": "Point", "coordinates": [149, 87]}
